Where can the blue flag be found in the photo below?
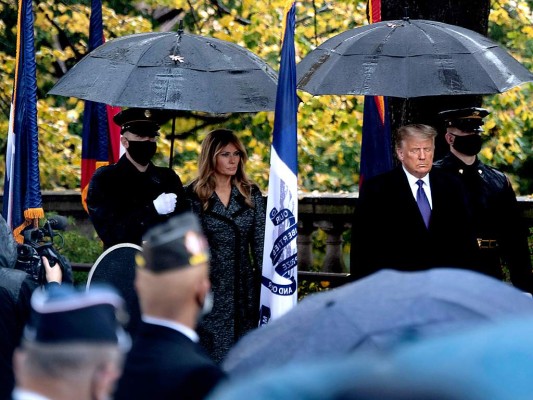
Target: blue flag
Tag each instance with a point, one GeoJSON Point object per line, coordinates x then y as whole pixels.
{"type": "Point", "coordinates": [376, 147]}
{"type": "Point", "coordinates": [22, 186]}
{"type": "Point", "coordinates": [98, 146]}
{"type": "Point", "coordinates": [279, 287]}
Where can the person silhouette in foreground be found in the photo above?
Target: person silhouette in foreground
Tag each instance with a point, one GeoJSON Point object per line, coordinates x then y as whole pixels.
{"type": "Point", "coordinates": [73, 345]}
{"type": "Point", "coordinates": [172, 282]}
{"type": "Point", "coordinates": [16, 287]}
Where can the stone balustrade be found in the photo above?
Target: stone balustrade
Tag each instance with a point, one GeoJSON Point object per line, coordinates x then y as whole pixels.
{"type": "Point", "coordinates": [330, 213]}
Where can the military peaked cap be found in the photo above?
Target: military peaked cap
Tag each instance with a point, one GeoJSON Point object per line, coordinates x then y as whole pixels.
{"type": "Point", "coordinates": [466, 119]}
{"type": "Point", "coordinates": [141, 121]}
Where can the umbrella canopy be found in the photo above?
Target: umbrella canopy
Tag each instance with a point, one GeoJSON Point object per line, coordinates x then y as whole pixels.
{"type": "Point", "coordinates": [174, 71]}
{"type": "Point", "coordinates": [377, 312]}
{"type": "Point", "coordinates": [486, 362]}
{"type": "Point", "coordinates": [410, 58]}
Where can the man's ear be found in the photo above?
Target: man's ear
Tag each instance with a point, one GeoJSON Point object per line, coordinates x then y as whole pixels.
{"type": "Point", "coordinates": [449, 138]}
{"type": "Point", "coordinates": [104, 379]}
{"type": "Point", "coordinates": [18, 362]}
{"type": "Point", "coordinates": [202, 289]}
{"type": "Point", "coordinates": [124, 141]}
{"type": "Point", "coordinates": [399, 154]}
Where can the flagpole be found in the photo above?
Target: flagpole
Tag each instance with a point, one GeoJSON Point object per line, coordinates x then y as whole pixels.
{"type": "Point", "coordinates": [376, 144]}
{"type": "Point", "coordinates": [100, 135]}
{"type": "Point", "coordinates": [279, 286]}
{"type": "Point", "coordinates": [22, 189]}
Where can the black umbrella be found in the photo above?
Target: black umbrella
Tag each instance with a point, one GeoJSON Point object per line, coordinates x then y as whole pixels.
{"type": "Point", "coordinates": [378, 312]}
{"type": "Point", "coordinates": [173, 71]}
{"type": "Point", "coordinates": [410, 58]}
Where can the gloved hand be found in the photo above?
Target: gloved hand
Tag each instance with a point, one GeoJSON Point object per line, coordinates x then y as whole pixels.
{"type": "Point", "coordinates": [165, 203]}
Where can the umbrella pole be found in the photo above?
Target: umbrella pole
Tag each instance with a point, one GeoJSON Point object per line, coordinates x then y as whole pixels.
{"type": "Point", "coordinates": [172, 138]}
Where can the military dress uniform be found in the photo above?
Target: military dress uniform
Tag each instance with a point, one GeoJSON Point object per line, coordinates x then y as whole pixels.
{"type": "Point", "coordinates": [499, 228]}
{"type": "Point", "coordinates": [120, 199]}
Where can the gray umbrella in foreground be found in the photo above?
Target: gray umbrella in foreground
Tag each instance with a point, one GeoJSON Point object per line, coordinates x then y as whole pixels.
{"type": "Point", "coordinates": [377, 312]}
{"type": "Point", "coordinates": [410, 58]}
{"type": "Point", "coordinates": [173, 71]}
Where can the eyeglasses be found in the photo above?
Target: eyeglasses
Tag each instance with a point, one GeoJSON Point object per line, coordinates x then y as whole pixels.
{"type": "Point", "coordinates": [228, 154]}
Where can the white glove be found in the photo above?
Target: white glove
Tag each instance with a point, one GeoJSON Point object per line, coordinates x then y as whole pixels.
{"type": "Point", "coordinates": [165, 203]}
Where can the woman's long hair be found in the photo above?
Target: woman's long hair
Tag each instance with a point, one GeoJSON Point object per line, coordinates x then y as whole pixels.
{"type": "Point", "coordinates": [205, 184]}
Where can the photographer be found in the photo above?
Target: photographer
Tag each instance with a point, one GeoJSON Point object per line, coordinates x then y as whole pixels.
{"type": "Point", "coordinates": [16, 288]}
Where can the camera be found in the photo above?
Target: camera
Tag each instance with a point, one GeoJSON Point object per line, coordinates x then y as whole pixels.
{"type": "Point", "coordinates": [39, 242]}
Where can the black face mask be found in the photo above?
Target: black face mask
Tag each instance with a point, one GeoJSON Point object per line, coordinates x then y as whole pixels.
{"type": "Point", "coordinates": [469, 145]}
{"type": "Point", "coordinates": [142, 152]}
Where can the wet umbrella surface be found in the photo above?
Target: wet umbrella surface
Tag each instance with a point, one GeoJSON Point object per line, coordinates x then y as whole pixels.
{"type": "Point", "coordinates": [378, 312]}
{"type": "Point", "coordinates": [409, 58]}
{"type": "Point", "coordinates": [174, 71]}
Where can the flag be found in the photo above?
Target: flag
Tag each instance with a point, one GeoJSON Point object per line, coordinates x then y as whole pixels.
{"type": "Point", "coordinates": [376, 148]}
{"type": "Point", "coordinates": [100, 135]}
{"type": "Point", "coordinates": [280, 273]}
{"type": "Point", "coordinates": [22, 204]}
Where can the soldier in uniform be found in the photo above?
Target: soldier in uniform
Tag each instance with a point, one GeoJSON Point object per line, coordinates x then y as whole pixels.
{"type": "Point", "coordinates": [499, 228]}
{"type": "Point", "coordinates": [127, 198]}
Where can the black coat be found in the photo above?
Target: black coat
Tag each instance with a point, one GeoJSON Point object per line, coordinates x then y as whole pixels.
{"type": "Point", "coordinates": [16, 288]}
{"type": "Point", "coordinates": [120, 200]}
{"type": "Point", "coordinates": [165, 364]}
{"type": "Point", "coordinates": [496, 217]}
{"type": "Point", "coordinates": [236, 237]}
{"type": "Point", "coordinates": [388, 230]}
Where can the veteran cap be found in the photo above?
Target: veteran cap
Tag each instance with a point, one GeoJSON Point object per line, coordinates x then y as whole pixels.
{"type": "Point", "coordinates": [466, 119]}
{"type": "Point", "coordinates": [141, 121]}
{"type": "Point", "coordinates": [64, 314]}
{"type": "Point", "coordinates": [177, 243]}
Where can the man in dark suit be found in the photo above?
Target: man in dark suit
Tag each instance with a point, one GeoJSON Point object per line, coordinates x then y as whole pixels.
{"type": "Point", "coordinates": [172, 282]}
{"type": "Point", "coordinates": [412, 218]}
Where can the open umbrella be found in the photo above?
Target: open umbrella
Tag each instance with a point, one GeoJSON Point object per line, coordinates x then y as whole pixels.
{"type": "Point", "coordinates": [173, 71]}
{"type": "Point", "coordinates": [485, 362]}
{"type": "Point", "coordinates": [378, 312]}
{"type": "Point", "coordinates": [409, 58]}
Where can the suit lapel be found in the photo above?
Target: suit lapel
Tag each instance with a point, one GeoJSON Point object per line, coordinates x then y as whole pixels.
{"type": "Point", "coordinates": [405, 195]}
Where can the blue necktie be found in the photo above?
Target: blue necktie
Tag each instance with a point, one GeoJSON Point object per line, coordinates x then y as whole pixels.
{"type": "Point", "coordinates": [423, 202]}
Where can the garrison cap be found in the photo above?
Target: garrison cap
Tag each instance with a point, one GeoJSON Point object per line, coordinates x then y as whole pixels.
{"type": "Point", "coordinates": [141, 121]}
{"type": "Point", "coordinates": [63, 314]}
{"type": "Point", "coordinates": [466, 119]}
{"type": "Point", "coordinates": [177, 243]}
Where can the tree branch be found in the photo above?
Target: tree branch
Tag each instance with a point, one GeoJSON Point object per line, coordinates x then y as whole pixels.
{"type": "Point", "coordinates": [222, 9]}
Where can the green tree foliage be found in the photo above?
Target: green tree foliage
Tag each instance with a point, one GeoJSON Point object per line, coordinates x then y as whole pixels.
{"type": "Point", "coordinates": [329, 126]}
{"type": "Point", "coordinates": [510, 126]}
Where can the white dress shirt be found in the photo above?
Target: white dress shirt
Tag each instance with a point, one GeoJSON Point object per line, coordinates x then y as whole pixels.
{"type": "Point", "coordinates": [23, 394]}
{"type": "Point", "coordinates": [190, 333]}
{"type": "Point", "coordinates": [414, 186]}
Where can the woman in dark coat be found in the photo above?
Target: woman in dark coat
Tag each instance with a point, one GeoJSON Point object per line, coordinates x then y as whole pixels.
{"type": "Point", "coordinates": [232, 212]}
